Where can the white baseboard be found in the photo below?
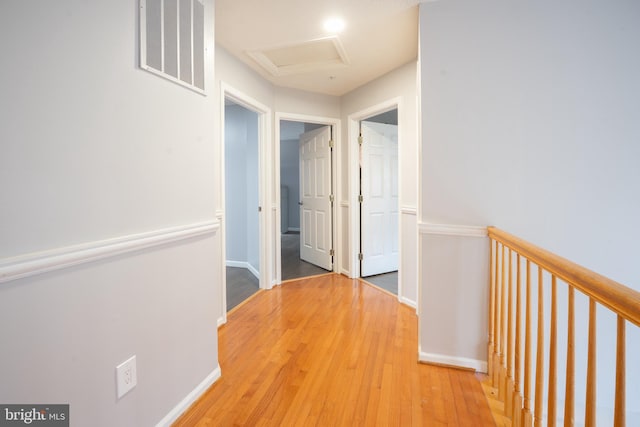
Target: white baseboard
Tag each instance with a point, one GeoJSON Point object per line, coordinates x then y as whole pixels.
{"type": "Point", "coordinates": [222, 320]}
{"type": "Point", "coordinates": [253, 271]}
{"type": "Point", "coordinates": [459, 362]}
{"type": "Point", "coordinates": [294, 229]}
{"type": "Point", "coordinates": [407, 301]}
{"type": "Point", "coordinates": [190, 398]}
{"type": "Point", "coordinates": [244, 264]}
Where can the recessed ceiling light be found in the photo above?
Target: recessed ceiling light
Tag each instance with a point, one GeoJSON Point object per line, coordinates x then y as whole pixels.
{"type": "Point", "coordinates": [334, 25]}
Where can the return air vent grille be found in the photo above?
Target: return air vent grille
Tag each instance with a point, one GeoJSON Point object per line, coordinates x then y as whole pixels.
{"type": "Point", "coordinates": [302, 57]}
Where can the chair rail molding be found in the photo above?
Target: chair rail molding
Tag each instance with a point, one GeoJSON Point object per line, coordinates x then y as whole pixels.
{"type": "Point", "coordinates": [452, 230]}
{"type": "Point", "coordinates": [23, 266]}
{"type": "Point", "coordinates": [409, 210]}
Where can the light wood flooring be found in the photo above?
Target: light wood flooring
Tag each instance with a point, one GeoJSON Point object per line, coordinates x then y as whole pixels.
{"type": "Point", "coordinates": [331, 351]}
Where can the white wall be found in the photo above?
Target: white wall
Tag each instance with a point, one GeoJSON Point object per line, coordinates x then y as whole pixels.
{"type": "Point", "coordinates": [530, 123]}
{"type": "Point", "coordinates": [94, 148]}
{"type": "Point", "coordinates": [400, 83]}
{"type": "Point", "coordinates": [241, 186]}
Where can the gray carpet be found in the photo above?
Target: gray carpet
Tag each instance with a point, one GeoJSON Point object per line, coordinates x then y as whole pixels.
{"type": "Point", "coordinates": [241, 284]}
{"type": "Point", "coordinates": [386, 281]}
{"type": "Point", "coordinates": [292, 266]}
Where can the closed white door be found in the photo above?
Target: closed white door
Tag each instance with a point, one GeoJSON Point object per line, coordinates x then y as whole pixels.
{"type": "Point", "coordinates": [315, 202]}
{"type": "Point", "coordinates": [379, 207]}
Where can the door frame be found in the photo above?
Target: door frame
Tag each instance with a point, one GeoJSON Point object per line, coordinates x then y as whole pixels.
{"type": "Point", "coordinates": [335, 176]}
{"type": "Point", "coordinates": [264, 142]}
{"type": "Point", "coordinates": [354, 181]}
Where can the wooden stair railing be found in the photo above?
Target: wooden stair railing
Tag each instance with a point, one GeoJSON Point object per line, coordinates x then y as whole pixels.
{"type": "Point", "coordinates": [511, 366]}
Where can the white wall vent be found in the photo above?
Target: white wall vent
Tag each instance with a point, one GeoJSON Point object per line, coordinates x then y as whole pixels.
{"type": "Point", "coordinates": [302, 57]}
{"type": "Point", "coordinates": [172, 41]}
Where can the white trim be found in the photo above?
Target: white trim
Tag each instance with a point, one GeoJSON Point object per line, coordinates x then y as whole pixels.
{"type": "Point", "coordinates": [336, 135]}
{"type": "Point", "coordinates": [244, 264]}
{"type": "Point", "coordinates": [222, 320]}
{"type": "Point", "coordinates": [408, 302]}
{"type": "Point", "coordinates": [452, 230]}
{"type": "Point", "coordinates": [184, 404]}
{"type": "Point", "coordinates": [344, 204]}
{"type": "Point", "coordinates": [264, 144]}
{"type": "Point", "coordinates": [460, 362]}
{"type": "Point", "coordinates": [409, 210]}
{"type": "Point", "coordinates": [55, 259]}
{"type": "Point", "coordinates": [293, 229]}
{"type": "Point", "coordinates": [261, 57]}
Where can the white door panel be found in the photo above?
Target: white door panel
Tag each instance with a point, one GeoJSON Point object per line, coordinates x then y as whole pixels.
{"type": "Point", "coordinates": [379, 186]}
{"type": "Point", "coordinates": [315, 189]}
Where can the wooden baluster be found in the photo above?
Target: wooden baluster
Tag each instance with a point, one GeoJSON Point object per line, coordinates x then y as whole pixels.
{"type": "Point", "coordinates": [619, 416]}
{"type": "Point", "coordinates": [526, 414]}
{"type": "Point", "coordinates": [569, 400]}
{"type": "Point", "coordinates": [539, 354]}
{"type": "Point", "coordinates": [517, 399]}
{"type": "Point", "coordinates": [497, 340]}
{"type": "Point", "coordinates": [492, 308]}
{"type": "Point", "coordinates": [509, 398]}
{"type": "Point", "coordinates": [503, 330]}
{"type": "Point", "coordinates": [553, 334]}
{"type": "Point", "coordinates": [590, 411]}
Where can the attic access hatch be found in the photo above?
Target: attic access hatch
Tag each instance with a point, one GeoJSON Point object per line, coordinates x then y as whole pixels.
{"type": "Point", "coordinates": [325, 53]}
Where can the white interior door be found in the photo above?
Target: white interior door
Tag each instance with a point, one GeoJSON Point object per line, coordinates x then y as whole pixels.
{"type": "Point", "coordinates": [379, 208]}
{"type": "Point", "coordinates": [315, 202]}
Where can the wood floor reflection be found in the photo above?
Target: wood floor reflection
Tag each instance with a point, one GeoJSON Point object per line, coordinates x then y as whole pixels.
{"type": "Point", "coordinates": [331, 351]}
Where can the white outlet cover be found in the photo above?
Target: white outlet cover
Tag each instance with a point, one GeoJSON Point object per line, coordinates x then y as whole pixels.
{"type": "Point", "coordinates": [126, 376]}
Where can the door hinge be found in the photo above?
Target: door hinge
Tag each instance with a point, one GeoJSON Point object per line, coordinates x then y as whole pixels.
{"type": "Point", "coordinates": [331, 143]}
{"type": "Point", "coordinates": [360, 198]}
{"type": "Point", "coordinates": [331, 198]}
{"type": "Point", "coordinates": [360, 140]}
{"type": "Point", "coordinates": [360, 256]}
{"type": "Point", "coordinates": [331, 252]}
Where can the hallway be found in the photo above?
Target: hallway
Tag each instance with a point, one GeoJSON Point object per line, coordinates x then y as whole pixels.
{"type": "Point", "coordinates": [331, 351]}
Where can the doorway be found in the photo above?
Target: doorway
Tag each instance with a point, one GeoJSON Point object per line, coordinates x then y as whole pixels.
{"type": "Point", "coordinates": [242, 236]}
{"type": "Point", "coordinates": [306, 197]}
{"type": "Point", "coordinates": [379, 205]}
{"type": "Point", "coordinates": [376, 186]}
{"type": "Point", "coordinates": [245, 135]}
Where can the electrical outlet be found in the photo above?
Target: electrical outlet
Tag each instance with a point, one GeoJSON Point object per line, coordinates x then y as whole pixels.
{"type": "Point", "coordinates": [126, 377]}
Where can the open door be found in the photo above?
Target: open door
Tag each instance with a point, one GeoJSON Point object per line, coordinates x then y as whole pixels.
{"type": "Point", "coordinates": [379, 202]}
{"type": "Point", "coordinates": [315, 198]}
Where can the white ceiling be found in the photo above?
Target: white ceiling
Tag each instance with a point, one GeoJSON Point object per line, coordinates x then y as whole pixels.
{"type": "Point", "coordinates": [380, 35]}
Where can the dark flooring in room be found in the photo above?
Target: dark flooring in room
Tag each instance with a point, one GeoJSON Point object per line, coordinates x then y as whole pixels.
{"type": "Point", "coordinates": [386, 281]}
{"type": "Point", "coordinates": [241, 284]}
{"type": "Point", "coordinates": [292, 266]}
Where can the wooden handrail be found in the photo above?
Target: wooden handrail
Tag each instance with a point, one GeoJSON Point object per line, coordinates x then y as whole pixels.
{"type": "Point", "coordinates": [611, 294]}
{"type": "Point", "coordinates": [522, 405]}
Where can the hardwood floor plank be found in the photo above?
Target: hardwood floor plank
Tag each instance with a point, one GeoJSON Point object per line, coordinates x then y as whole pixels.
{"type": "Point", "coordinates": [331, 351]}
